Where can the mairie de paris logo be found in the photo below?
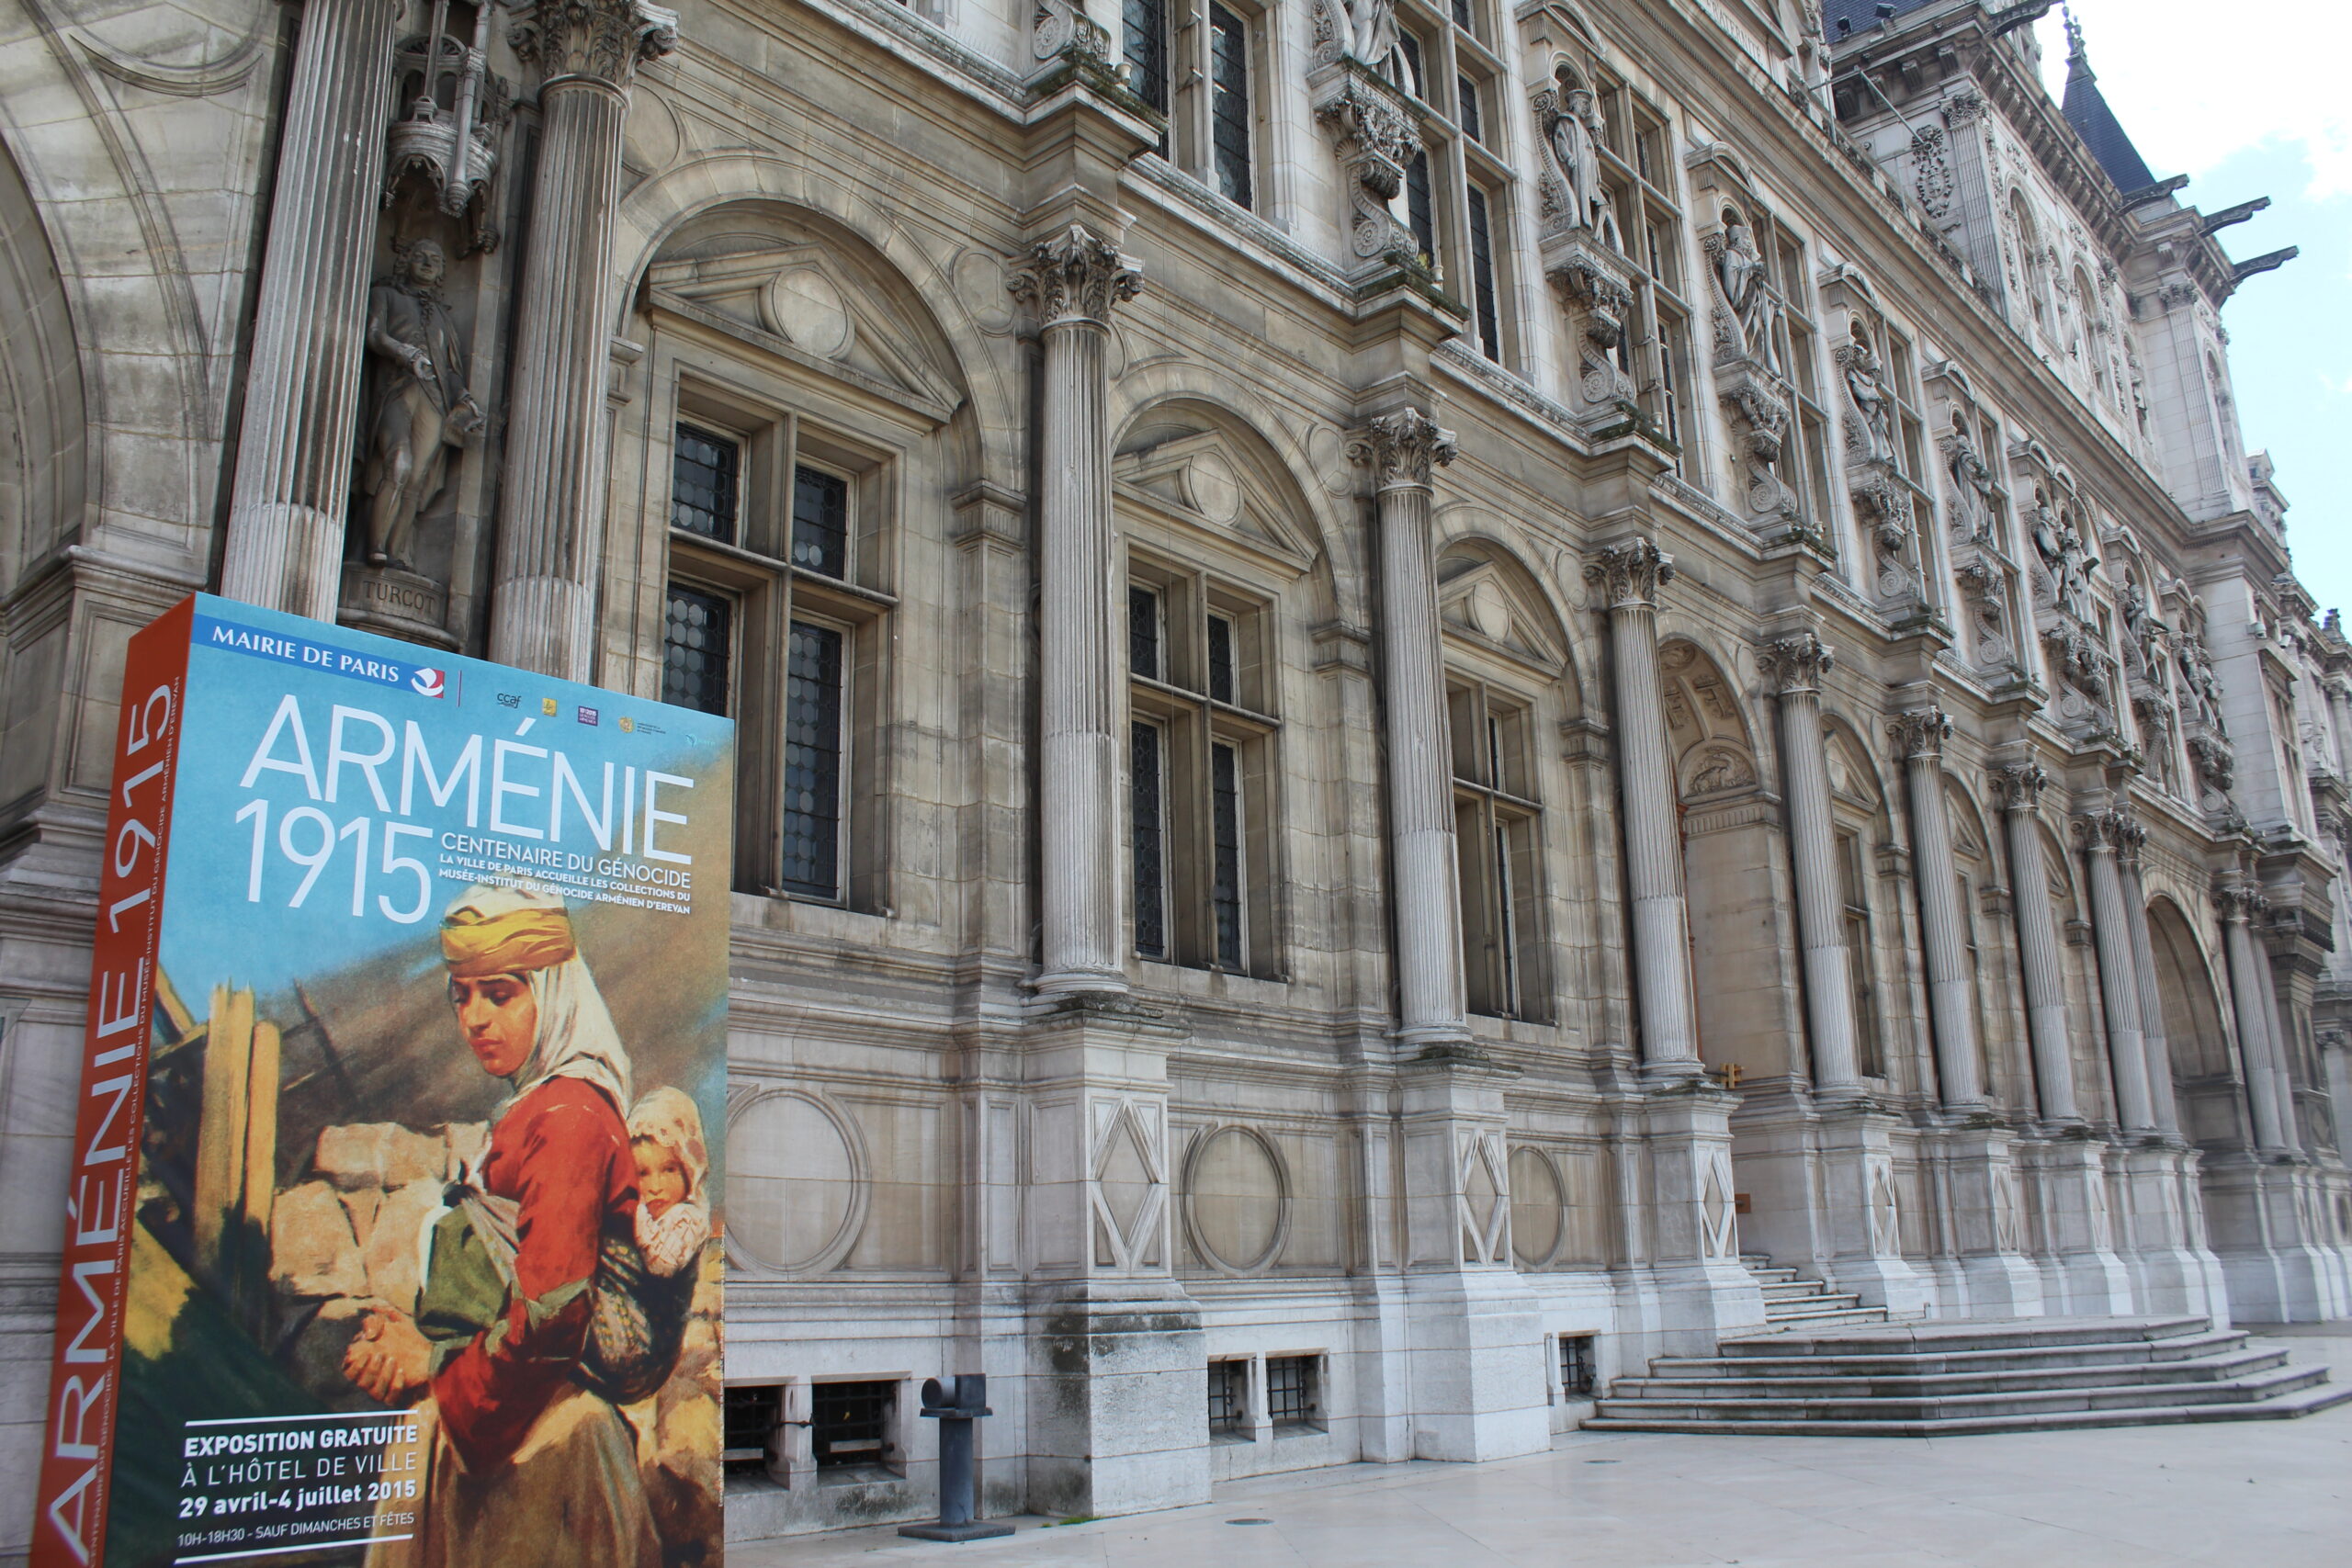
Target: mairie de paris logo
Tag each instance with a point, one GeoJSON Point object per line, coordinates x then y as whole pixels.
{"type": "Point", "coordinates": [426, 682]}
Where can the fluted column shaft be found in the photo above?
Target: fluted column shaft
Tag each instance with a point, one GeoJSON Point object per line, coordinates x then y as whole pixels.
{"type": "Point", "coordinates": [1795, 667]}
{"type": "Point", "coordinates": [1943, 924]}
{"type": "Point", "coordinates": [2282, 1070]}
{"type": "Point", "coordinates": [292, 487]}
{"type": "Point", "coordinates": [2161, 1102]}
{"type": "Point", "coordinates": [1404, 449]}
{"type": "Point", "coordinates": [2045, 989]}
{"type": "Point", "coordinates": [552, 522]}
{"type": "Point", "coordinates": [1630, 576]}
{"type": "Point", "coordinates": [2249, 981]}
{"type": "Point", "coordinates": [1075, 281]}
{"type": "Point", "coordinates": [2118, 979]}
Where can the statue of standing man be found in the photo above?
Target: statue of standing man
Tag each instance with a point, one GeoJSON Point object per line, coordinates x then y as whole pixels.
{"type": "Point", "coordinates": [418, 403]}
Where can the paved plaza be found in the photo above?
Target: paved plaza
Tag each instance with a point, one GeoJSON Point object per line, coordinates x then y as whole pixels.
{"type": "Point", "coordinates": [2248, 1494]}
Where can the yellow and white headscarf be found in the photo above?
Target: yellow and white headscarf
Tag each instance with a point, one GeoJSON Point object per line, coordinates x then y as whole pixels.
{"type": "Point", "coordinates": [524, 931]}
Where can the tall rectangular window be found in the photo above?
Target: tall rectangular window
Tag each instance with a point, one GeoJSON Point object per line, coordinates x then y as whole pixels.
{"type": "Point", "coordinates": [1496, 818]}
{"type": "Point", "coordinates": [812, 762]}
{"type": "Point", "coordinates": [698, 649]}
{"type": "Point", "coordinates": [1143, 633]}
{"type": "Point", "coordinates": [1225, 832]}
{"type": "Point", "coordinates": [1860, 970]}
{"type": "Point", "coordinates": [1482, 277]}
{"type": "Point", "coordinates": [705, 482]}
{"type": "Point", "coordinates": [820, 521]}
{"type": "Point", "coordinates": [1474, 121]}
{"type": "Point", "coordinates": [1221, 670]}
{"type": "Point", "coordinates": [1420, 208]}
{"type": "Point", "coordinates": [1229, 112]}
{"type": "Point", "coordinates": [1146, 805]}
{"type": "Point", "coordinates": [1143, 45]}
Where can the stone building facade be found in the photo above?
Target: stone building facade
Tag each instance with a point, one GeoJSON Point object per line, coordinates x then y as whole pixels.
{"type": "Point", "coordinates": [1412, 673]}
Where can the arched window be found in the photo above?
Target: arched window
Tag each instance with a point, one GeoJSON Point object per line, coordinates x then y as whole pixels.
{"type": "Point", "coordinates": [2026, 235]}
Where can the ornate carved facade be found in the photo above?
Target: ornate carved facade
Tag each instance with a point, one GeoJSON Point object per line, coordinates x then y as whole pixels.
{"type": "Point", "coordinates": [1408, 677]}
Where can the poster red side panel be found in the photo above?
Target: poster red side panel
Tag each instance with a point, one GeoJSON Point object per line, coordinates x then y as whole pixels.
{"type": "Point", "coordinates": [69, 1526]}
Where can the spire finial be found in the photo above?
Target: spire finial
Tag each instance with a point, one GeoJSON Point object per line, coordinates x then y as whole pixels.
{"type": "Point", "coordinates": [2074, 54]}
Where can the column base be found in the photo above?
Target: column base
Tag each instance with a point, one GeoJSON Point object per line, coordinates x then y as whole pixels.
{"type": "Point", "coordinates": [1115, 1373]}
{"type": "Point", "coordinates": [2264, 1228]}
{"type": "Point", "coordinates": [1703, 1292]}
{"type": "Point", "coordinates": [1476, 1362]}
{"type": "Point", "coordinates": [1861, 1216]}
{"type": "Point", "coordinates": [2081, 1273]}
{"type": "Point", "coordinates": [1058, 983]}
{"type": "Point", "coordinates": [1991, 1275]}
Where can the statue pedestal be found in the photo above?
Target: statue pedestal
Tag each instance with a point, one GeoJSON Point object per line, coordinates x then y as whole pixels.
{"type": "Point", "coordinates": [398, 604]}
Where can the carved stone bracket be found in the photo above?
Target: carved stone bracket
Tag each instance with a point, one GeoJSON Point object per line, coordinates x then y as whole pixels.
{"type": "Point", "coordinates": [1629, 575]}
{"type": "Point", "coordinates": [1797, 663]}
{"type": "Point", "coordinates": [1061, 28]}
{"type": "Point", "coordinates": [1372, 129]}
{"type": "Point", "coordinates": [454, 150]}
{"type": "Point", "coordinates": [1596, 289]}
{"type": "Point", "coordinates": [1076, 275]}
{"type": "Point", "coordinates": [604, 41]}
{"type": "Point", "coordinates": [1404, 449]}
{"type": "Point", "coordinates": [1984, 581]}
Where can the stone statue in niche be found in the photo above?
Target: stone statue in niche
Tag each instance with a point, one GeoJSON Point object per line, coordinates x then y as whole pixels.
{"type": "Point", "coordinates": [2201, 689]}
{"type": "Point", "coordinates": [1972, 484]}
{"type": "Point", "coordinates": [1871, 433]}
{"type": "Point", "coordinates": [1575, 133]}
{"type": "Point", "coordinates": [2142, 631]}
{"type": "Point", "coordinates": [419, 406]}
{"type": "Point", "coordinates": [1739, 272]}
{"type": "Point", "coordinates": [2065, 557]}
{"type": "Point", "coordinates": [1372, 31]}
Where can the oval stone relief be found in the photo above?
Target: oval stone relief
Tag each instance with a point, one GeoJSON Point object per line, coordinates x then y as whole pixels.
{"type": "Point", "coordinates": [792, 1180]}
{"type": "Point", "coordinates": [1536, 1203]}
{"type": "Point", "coordinates": [802, 305]}
{"type": "Point", "coordinates": [1235, 1200]}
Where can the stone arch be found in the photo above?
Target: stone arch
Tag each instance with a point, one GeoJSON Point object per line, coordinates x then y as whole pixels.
{"type": "Point", "coordinates": [2196, 1033]}
{"type": "Point", "coordinates": [1194, 452]}
{"type": "Point", "coordinates": [45, 482]}
{"type": "Point", "coordinates": [1487, 593]}
{"type": "Point", "coordinates": [1707, 728]}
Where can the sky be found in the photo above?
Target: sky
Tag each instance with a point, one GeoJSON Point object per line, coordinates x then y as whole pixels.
{"type": "Point", "coordinates": [2257, 109]}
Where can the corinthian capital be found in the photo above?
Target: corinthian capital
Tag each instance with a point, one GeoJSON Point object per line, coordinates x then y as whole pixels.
{"type": "Point", "coordinates": [2105, 832]}
{"type": "Point", "coordinates": [1403, 446]}
{"type": "Point", "coordinates": [1630, 573]}
{"type": "Point", "coordinates": [603, 40]}
{"type": "Point", "coordinates": [2019, 786]}
{"type": "Point", "coordinates": [1797, 664]}
{"type": "Point", "coordinates": [1077, 276]}
{"type": "Point", "coordinates": [2239, 903]}
{"type": "Point", "coordinates": [1920, 734]}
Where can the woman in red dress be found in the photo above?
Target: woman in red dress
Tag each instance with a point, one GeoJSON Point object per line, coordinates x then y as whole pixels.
{"type": "Point", "coordinates": [526, 1464]}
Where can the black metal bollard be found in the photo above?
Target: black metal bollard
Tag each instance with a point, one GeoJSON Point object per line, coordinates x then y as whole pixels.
{"type": "Point", "coordinates": [956, 1404]}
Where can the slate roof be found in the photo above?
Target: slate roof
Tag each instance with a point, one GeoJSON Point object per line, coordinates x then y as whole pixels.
{"type": "Point", "coordinates": [2085, 109]}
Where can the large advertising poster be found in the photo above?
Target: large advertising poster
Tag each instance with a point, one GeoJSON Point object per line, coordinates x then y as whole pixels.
{"type": "Point", "coordinates": [394, 1220]}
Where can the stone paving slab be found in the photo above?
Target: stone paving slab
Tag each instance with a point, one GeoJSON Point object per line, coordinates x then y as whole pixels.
{"type": "Point", "coordinates": [2263, 1495]}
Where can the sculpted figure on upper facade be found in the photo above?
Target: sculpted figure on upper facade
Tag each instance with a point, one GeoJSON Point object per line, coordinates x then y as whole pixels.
{"type": "Point", "coordinates": [1372, 31]}
{"type": "Point", "coordinates": [1873, 431]}
{"type": "Point", "coordinates": [2063, 553]}
{"type": "Point", "coordinates": [1972, 485]}
{"type": "Point", "coordinates": [1575, 129]}
{"type": "Point", "coordinates": [2199, 688]}
{"type": "Point", "coordinates": [2141, 631]}
{"type": "Point", "coordinates": [1739, 272]}
{"type": "Point", "coordinates": [419, 406]}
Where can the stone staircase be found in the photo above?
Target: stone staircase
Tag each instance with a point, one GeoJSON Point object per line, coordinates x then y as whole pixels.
{"type": "Point", "coordinates": [1792, 1303]}
{"type": "Point", "coordinates": [1954, 1379]}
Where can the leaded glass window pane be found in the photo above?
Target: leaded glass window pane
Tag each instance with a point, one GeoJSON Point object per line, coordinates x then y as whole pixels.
{"type": "Point", "coordinates": [820, 521]}
{"type": "Point", "coordinates": [1225, 828]}
{"type": "Point", "coordinates": [1144, 46]}
{"type": "Point", "coordinates": [706, 483]}
{"type": "Point", "coordinates": [1143, 633]}
{"type": "Point", "coordinates": [1147, 810]}
{"type": "Point", "coordinates": [1221, 659]}
{"type": "Point", "coordinates": [812, 762]}
{"type": "Point", "coordinates": [1465, 92]}
{"type": "Point", "coordinates": [1229, 103]}
{"type": "Point", "coordinates": [698, 649]}
{"type": "Point", "coordinates": [1420, 210]}
{"type": "Point", "coordinates": [1481, 273]}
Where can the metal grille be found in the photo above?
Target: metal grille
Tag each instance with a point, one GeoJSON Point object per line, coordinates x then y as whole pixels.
{"type": "Point", "coordinates": [1228, 1396]}
{"type": "Point", "coordinates": [812, 762]}
{"type": "Point", "coordinates": [850, 1423]}
{"type": "Point", "coordinates": [1577, 1366]}
{"type": "Point", "coordinates": [1420, 208]}
{"type": "Point", "coordinates": [1229, 103]}
{"type": "Point", "coordinates": [696, 650]}
{"type": "Point", "coordinates": [706, 483]}
{"type": "Point", "coordinates": [1220, 659]}
{"type": "Point", "coordinates": [820, 521]}
{"type": "Point", "coordinates": [1289, 1390]}
{"type": "Point", "coordinates": [1482, 276]}
{"type": "Point", "coordinates": [1225, 828]}
{"type": "Point", "coordinates": [752, 1416]}
{"type": "Point", "coordinates": [1150, 852]}
{"type": "Point", "coordinates": [1143, 633]}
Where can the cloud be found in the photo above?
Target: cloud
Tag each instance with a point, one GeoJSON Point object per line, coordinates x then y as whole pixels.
{"type": "Point", "coordinates": [2194, 85]}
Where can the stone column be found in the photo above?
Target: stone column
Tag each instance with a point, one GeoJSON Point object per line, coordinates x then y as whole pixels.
{"type": "Point", "coordinates": [2019, 789]}
{"type": "Point", "coordinates": [2339, 709]}
{"type": "Point", "coordinates": [1629, 576]}
{"type": "Point", "coordinates": [551, 523]}
{"type": "Point", "coordinates": [1403, 449]}
{"type": "Point", "coordinates": [2101, 835]}
{"type": "Point", "coordinates": [292, 487]}
{"type": "Point", "coordinates": [1943, 924]}
{"type": "Point", "coordinates": [2249, 977]}
{"type": "Point", "coordinates": [1794, 666]}
{"type": "Point", "coordinates": [2161, 1103]}
{"type": "Point", "coordinates": [1075, 279]}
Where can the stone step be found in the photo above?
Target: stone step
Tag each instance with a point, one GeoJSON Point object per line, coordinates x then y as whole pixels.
{"type": "Point", "coordinates": [1947, 1336]}
{"type": "Point", "coordinates": [1737, 1409]}
{"type": "Point", "coordinates": [1772, 1276]}
{"type": "Point", "coordinates": [2303, 1401]}
{"type": "Point", "coordinates": [1813, 1308]}
{"type": "Point", "coordinates": [1790, 1289]}
{"type": "Point", "coordinates": [1933, 1385]}
{"type": "Point", "coordinates": [2137, 1353]}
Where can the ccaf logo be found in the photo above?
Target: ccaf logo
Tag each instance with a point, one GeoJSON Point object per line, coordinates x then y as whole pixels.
{"type": "Point", "coordinates": [426, 682]}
